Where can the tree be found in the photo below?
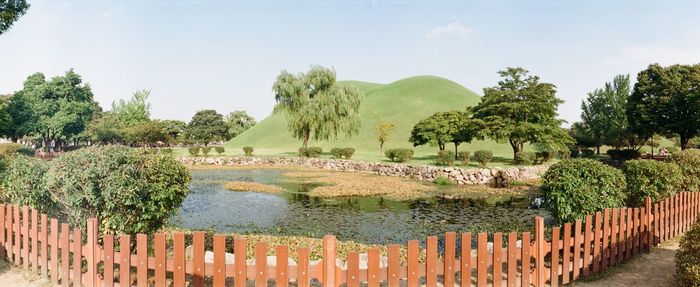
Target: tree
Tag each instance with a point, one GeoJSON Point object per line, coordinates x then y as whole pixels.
{"type": "Point", "coordinates": [173, 128]}
{"type": "Point", "coordinates": [104, 128]}
{"type": "Point", "coordinates": [207, 126]}
{"type": "Point", "coordinates": [446, 127]}
{"type": "Point", "coordinates": [384, 131]}
{"type": "Point", "coordinates": [134, 111]}
{"type": "Point", "coordinates": [604, 112]}
{"type": "Point", "coordinates": [56, 109]}
{"type": "Point", "coordinates": [666, 100]}
{"type": "Point", "coordinates": [10, 11]}
{"type": "Point", "coordinates": [145, 134]}
{"type": "Point", "coordinates": [6, 128]}
{"type": "Point", "coordinates": [520, 109]}
{"type": "Point", "coordinates": [316, 105]}
{"type": "Point", "coordinates": [238, 122]}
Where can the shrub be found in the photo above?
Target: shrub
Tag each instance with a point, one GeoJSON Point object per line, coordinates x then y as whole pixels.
{"type": "Point", "coordinates": [564, 154]}
{"type": "Point", "coordinates": [441, 180]}
{"type": "Point", "coordinates": [464, 157]}
{"type": "Point", "coordinates": [574, 188]}
{"type": "Point", "coordinates": [303, 152]}
{"type": "Point", "coordinates": [445, 157]}
{"type": "Point", "coordinates": [544, 156]}
{"type": "Point", "coordinates": [24, 183]}
{"type": "Point", "coordinates": [206, 150]}
{"type": "Point", "coordinates": [655, 179]}
{"type": "Point", "coordinates": [672, 149]}
{"type": "Point", "coordinates": [337, 152]}
{"type": "Point", "coordinates": [628, 154]}
{"type": "Point", "coordinates": [10, 149]}
{"type": "Point", "coordinates": [574, 152]}
{"type": "Point", "coordinates": [348, 152]}
{"type": "Point", "coordinates": [483, 157]}
{"type": "Point", "coordinates": [194, 151]}
{"type": "Point", "coordinates": [219, 150]}
{"type": "Point", "coordinates": [248, 150]}
{"type": "Point", "coordinates": [688, 258]}
{"type": "Point", "coordinates": [526, 158]}
{"type": "Point", "coordinates": [128, 190]}
{"type": "Point", "coordinates": [166, 150]}
{"type": "Point", "coordinates": [614, 153]}
{"type": "Point", "coordinates": [399, 154]}
{"type": "Point", "coordinates": [689, 161]}
{"type": "Point", "coordinates": [314, 151]}
{"type": "Point", "coordinates": [586, 152]}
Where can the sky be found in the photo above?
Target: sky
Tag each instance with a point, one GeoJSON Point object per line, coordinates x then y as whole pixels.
{"type": "Point", "coordinates": [225, 55]}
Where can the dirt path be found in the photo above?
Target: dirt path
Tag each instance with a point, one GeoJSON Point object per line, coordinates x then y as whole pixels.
{"type": "Point", "coordinates": [17, 277]}
{"type": "Point", "coordinates": [653, 269]}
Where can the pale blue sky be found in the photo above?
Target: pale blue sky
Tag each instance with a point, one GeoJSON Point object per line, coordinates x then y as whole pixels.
{"type": "Point", "coordinates": [225, 55]}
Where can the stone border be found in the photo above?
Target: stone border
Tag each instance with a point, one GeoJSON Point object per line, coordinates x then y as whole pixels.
{"type": "Point", "coordinates": [498, 177]}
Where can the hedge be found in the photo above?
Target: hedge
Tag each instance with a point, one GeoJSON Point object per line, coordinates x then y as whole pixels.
{"type": "Point", "coordinates": [689, 161]}
{"type": "Point", "coordinates": [463, 156]}
{"type": "Point", "coordinates": [248, 150]}
{"type": "Point", "coordinates": [652, 178]}
{"type": "Point", "coordinates": [483, 157]}
{"type": "Point", "coordinates": [399, 154]}
{"type": "Point", "coordinates": [576, 187]}
{"type": "Point", "coordinates": [688, 258]}
{"type": "Point", "coordinates": [445, 157]}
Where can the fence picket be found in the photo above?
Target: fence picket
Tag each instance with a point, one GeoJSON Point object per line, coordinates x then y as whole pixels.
{"type": "Point", "coordinates": [597, 233]}
{"type": "Point", "coordinates": [450, 249]}
{"type": "Point", "coordinates": [566, 257]}
{"type": "Point", "coordinates": [393, 269]}
{"type": "Point", "coordinates": [179, 259]}
{"type": "Point", "coordinates": [18, 234]}
{"type": "Point", "coordinates": [577, 249]}
{"type": "Point", "coordinates": [3, 252]}
{"type": "Point", "coordinates": [108, 244]}
{"type": "Point", "coordinates": [65, 250]}
{"type": "Point", "coordinates": [605, 252]}
{"type": "Point", "coordinates": [628, 236]}
{"type": "Point", "coordinates": [198, 268]}
{"type": "Point", "coordinates": [240, 246]}
{"type": "Point", "coordinates": [54, 251]}
{"type": "Point", "coordinates": [373, 276]}
{"type": "Point", "coordinates": [554, 269]}
{"type": "Point", "coordinates": [77, 257]}
{"type": "Point", "coordinates": [354, 270]}
{"type": "Point", "coordinates": [525, 260]}
{"type": "Point", "coordinates": [159, 252]}
{"type": "Point", "coordinates": [261, 265]}
{"type": "Point", "coordinates": [497, 260]}
{"type": "Point", "coordinates": [219, 260]}
{"type": "Point", "coordinates": [302, 267]}
{"type": "Point", "coordinates": [431, 261]}
{"type": "Point", "coordinates": [465, 269]}
{"type": "Point", "coordinates": [281, 269]}
{"type": "Point", "coordinates": [481, 260]}
{"type": "Point", "coordinates": [125, 260]}
{"type": "Point", "coordinates": [587, 236]}
{"type": "Point", "coordinates": [34, 238]}
{"type": "Point", "coordinates": [24, 228]}
{"type": "Point", "coordinates": [413, 265]}
{"type": "Point", "coordinates": [512, 259]}
{"type": "Point", "coordinates": [44, 238]}
{"type": "Point", "coordinates": [141, 260]}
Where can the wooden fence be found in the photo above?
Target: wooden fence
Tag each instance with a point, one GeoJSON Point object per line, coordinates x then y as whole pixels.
{"type": "Point", "coordinates": [556, 256]}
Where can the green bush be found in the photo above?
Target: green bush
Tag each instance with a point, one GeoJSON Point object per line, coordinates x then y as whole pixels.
{"type": "Point", "coordinates": [248, 150]}
{"type": "Point", "coordinates": [525, 158]}
{"type": "Point", "coordinates": [399, 154]}
{"type": "Point", "coordinates": [586, 152]}
{"type": "Point", "coordinates": [337, 152]}
{"type": "Point", "coordinates": [206, 150]}
{"type": "Point", "coordinates": [463, 156]}
{"type": "Point", "coordinates": [303, 152]}
{"type": "Point", "coordinates": [628, 154]}
{"type": "Point", "coordinates": [24, 183]}
{"type": "Point", "coordinates": [544, 156]}
{"type": "Point", "coordinates": [652, 178]}
{"type": "Point", "coordinates": [10, 149]}
{"type": "Point", "coordinates": [166, 150]}
{"type": "Point", "coordinates": [219, 150]}
{"type": "Point", "coordinates": [483, 157]}
{"type": "Point", "coordinates": [314, 151]}
{"type": "Point", "coordinates": [574, 188]}
{"type": "Point", "coordinates": [688, 258]}
{"type": "Point", "coordinates": [689, 161]}
{"type": "Point", "coordinates": [564, 154]}
{"type": "Point", "coordinates": [128, 190]}
{"type": "Point", "coordinates": [614, 153]}
{"type": "Point", "coordinates": [194, 150]}
{"type": "Point", "coordinates": [672, 149]}
{"type": "Point", "coordinates": [441, 180]}
{"type": "Point", "coordinates": [574, 152]}
{"type": "Point", "coordinates": [445, 157]}
{"type": "Point", "coordinates": [348, 152]}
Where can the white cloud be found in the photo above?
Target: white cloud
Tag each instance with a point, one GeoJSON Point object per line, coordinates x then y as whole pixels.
{"type": "Point", "coordinates": [452, 29]}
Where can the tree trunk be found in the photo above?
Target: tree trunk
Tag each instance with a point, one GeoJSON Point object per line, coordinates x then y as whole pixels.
{"type": "Point", "coordinates": [684, 141]}
{"type": "Point", "coordinates": [456, 144]}
{"type": "Point", "coordinates": [517, 147]}
{"type": "Point", "coordinates": [441, 146]}
{"type": "Point", "coordinates": [307, 132]}
{"type": "Point", "coordinates": [597, 150]}
{"type": "Point", "coordinates": [381, 149]}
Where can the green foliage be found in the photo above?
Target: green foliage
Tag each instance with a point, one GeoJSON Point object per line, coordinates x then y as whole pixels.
{"type": "Point", "coordinates": [206, 150]}
{"type": "Point", "coordinates": [630, 154]}
{"type": "Point", "coordinates": [104, 128]}
{"type": "Point", "coordinates": [144, 133]}
{"type": "Point", "coordinates": [316, 106]}
{"type": "Point", "coordinates": [520, 109]}
{"type": "Point", "coordinates": [441, 180]}
{"type": "Point", "coordinates": [166, 150]}
{"type": "Point", "coordinates": [111, 182]}
{"type": "Point", "coordinates": [574, 188]}
{"type": "Point", "coordinates": [238, 122]}
{"type": "Point", "coordinates": [348, 152]}
{"type": "Point", "coordinates": [303, 152]}
{"type": "Point", "coordinates": [207, 126]}
{"type": "Point", "coordinates": [652, 178]}
{"type": "Point", "coordinates": [399, 154]}
{"type": "Point", "coordinates": [483, 157]}
{"type": "Point", "coordinates": [337, 152]}
{"type": "Point", "coordinates": [463, 156]}
{"type": "Point", "coordinates": [604, 112]}
{"type": "Point", "coordinates": [666, 100]}
{"type": "Point", "coordinates": [314, 151]}
{"type": "Point", "coordinates": [688, 258]}
{"type": "Point", "coordinates": [384, 131]}
{"type": "Point", "coordinates": [23, 183]}
{"type": "Point", "coordinates": [10, 11]}
{"type": "Point", "coordinates": [544, 156]}
{"type": "Point", "coordinates": [689, 161]}
{"type": "Point", "coordinates": [445, 157]}
{"type": "Point", "coordinates": [134, 111]}
{"type": "Point", "coordinates": [444, 127]}
{"type": "Point", "coordinates": [564, 154]}
{"type": "Point", "coordinates": [586, 152]}
{"type": "Point", "coordinates": [220, 150]}
{"type": "Point", "coordinates": [174, 129]}
{"type": "Point", "coordinates": [526, 158]}
{"type": "Point", "coordinates": [248, 150]}
{"type": "Point", "coordinates": [11, 149]}
{"type": "Point", "coordinates": [194, 150]}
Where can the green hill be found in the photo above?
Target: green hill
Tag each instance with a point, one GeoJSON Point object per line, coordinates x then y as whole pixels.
{"type": "Point", "coordinates": [403, 103]}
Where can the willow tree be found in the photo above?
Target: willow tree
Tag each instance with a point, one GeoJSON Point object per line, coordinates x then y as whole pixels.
{"type": "Point", "coordinates": [316, 105]}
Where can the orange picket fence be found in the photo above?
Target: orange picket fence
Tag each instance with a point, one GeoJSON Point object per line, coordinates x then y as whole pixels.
{"type": "Point", "coordinates": [553, 256]}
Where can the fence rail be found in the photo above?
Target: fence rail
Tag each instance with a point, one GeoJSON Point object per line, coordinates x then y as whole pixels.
{"type": "Point", "coordinates": [600, 241]}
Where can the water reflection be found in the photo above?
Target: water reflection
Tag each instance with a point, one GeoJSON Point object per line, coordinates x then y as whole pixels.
{"type": "Point", "coordinates": [369, 220]}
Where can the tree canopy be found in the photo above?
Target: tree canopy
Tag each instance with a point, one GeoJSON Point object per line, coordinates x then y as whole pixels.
{"type": "Point", "coordinates": [666, 100]}
{"type": "Point", "coordinates": [604, 112]}
{"type": "Point", "coordinates": [207, 126]}
{"type": "Point", "coordinates": [135, 110]}
{"type": "Point", "coordinates": [446, 127]}
{"type": "Point", "coordinates": [238, 122]}
{"type": "Point", "coordinates": [10, 11]}
{"type": "Point", "coordinates": [521, 109]}
{"type": "Point", "coordinates": [316, 105]}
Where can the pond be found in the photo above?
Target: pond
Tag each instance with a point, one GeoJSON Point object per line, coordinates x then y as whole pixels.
{"type": "Point", "coordinates": [371, 220]}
